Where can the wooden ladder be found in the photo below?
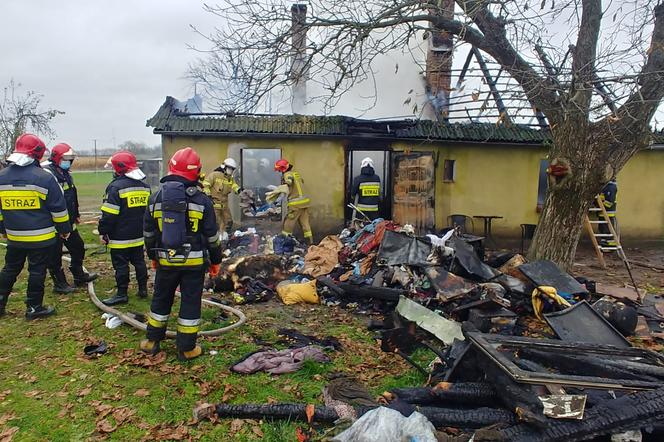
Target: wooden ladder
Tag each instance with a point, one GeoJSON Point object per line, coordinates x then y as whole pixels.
{"type": "Point", "coordinates": [596, 237]}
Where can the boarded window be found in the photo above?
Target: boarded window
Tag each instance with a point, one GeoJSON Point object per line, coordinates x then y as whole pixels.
{"type": "Point", "coordinates": [449, 171]}
{"type": "Point", "coordinates": [543, 184]}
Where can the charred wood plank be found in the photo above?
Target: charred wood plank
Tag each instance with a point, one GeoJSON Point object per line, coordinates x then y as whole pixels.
{"type": "Point", "coordinates": [467, 393]}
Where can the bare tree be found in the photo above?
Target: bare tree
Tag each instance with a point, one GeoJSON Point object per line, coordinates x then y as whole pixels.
{"type": "Point", "coordinates": [21, 112]}
{"type": "Point", "coordinates": [594, 69]}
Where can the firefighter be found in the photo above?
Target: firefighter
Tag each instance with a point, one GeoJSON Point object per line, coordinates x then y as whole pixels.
{"type": "Point", "coordinates": [182, 240]}
{"type": "Point", "coordinates": [58, 165]}
{"type": "Point", "coordinates": [366, 190]}
{"type": "Point", "coordinates": [33, 212]}
{"type": "Point", "coordinates": [608, 196]}
{"type": "Point", "coordinates": [121, 225]}
{"type": "Point", "coordinates": [218, 185]}
{"type": "Point", "coordinates": [298, 202]}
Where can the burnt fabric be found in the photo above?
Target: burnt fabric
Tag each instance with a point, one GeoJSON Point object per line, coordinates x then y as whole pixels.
{"type": "Point", "coordinates": [322, 258]}
{"type": "Point", "coordinates": [14, 261]}
{"type": "Point", "coordinates": [465, 255]}
{"type": "Point", "coordinates": [191, 289]}
{"type": "Point", "coordinates": [296, 339]}
{"type": "Point", "coordinates": [121, 258]}
{"type": "Point", "coordinates": [398, 248]}
{"type": "Point", "coordinates": [279, 362]}
{"type": "Point", "coordinates": [368, 241]}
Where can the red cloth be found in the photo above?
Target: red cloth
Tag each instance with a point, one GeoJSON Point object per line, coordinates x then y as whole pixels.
{"type": "Point", "coordinates": [370, 241]}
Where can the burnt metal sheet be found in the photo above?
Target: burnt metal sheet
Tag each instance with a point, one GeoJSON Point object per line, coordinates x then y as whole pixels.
{"type": "Point", "coordinates": [547, 273]}
{"type": "Point", "coordinates": [582, 323]}
{"type": "Point", "coordinates": [448, 286]}
{"type": "Point", "coordinates": [504, 350]}
{"type": "Point", "coordinates": [399, 248]}
{"type": "Point", "coordinates": [467, 258]}
{"type": "Point", "coordinates": [622, 293]}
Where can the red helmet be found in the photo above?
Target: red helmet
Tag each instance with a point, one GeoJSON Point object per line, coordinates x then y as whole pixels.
{"type": "Point", "coordinates": [185, 163]}
{"type": "Point", "coordinates": [124, 162]}
{"type": "Point", "coordinates": [281, 165]}
{"type": "Point", "coordinates": [30, 145]}
{"type": "Point", "coordinates": [62, 151]}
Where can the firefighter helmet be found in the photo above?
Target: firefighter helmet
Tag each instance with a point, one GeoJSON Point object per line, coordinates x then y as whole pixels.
{"type": "Point", "coordinates": [367, 162]}
{"type": "Point", "coordinates": [185, 163]}
{"type": "Point", "coordinates": [30, 145]}
{"type": "Point", "coordinates": [62, 151]}
{"type": "Point", "coordinates": [123, 162]}
{"type": "Point", "coordinates": [229, 162]}
{"type": "Point", "coordinates": [281, 165]}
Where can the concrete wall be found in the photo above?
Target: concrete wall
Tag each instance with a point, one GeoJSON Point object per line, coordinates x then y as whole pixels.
{"type": "Point", "coordinates": [490, 180]}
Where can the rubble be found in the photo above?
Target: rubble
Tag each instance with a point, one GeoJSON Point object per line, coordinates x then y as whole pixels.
{"type": "Point", "coordinates": [520, 343]}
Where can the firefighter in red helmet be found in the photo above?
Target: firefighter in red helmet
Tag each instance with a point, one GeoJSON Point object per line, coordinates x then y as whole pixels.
{"type": "Point", "coordinates": [33, 212]}
{"type": "Point", "coordinates": [58, 165]}
{"type": "Point", "coordinates": [298, 201]}
{"type": "Point", "coordinates": [182, 239]}
{"type": "Point", "coordinates": [121, 225]}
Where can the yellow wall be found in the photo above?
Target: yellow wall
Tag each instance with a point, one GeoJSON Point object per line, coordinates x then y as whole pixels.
{"type": "Point", "coordinates": [490, 180]}
{"type": "Point", "coordinates": [319, 162]}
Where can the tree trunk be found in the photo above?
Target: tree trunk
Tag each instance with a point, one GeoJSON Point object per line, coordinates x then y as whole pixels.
{"type": "Point", "coordinates": [569, 196]}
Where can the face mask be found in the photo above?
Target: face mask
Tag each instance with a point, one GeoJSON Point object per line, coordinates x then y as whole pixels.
{"type": "Point", "coordinates": [65, 164]}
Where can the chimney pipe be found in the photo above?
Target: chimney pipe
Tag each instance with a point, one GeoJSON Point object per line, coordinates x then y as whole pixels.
{"type": "Point", "coordinates": [299, 71]}
{"type": "Point", "coordinates": [439, 62]}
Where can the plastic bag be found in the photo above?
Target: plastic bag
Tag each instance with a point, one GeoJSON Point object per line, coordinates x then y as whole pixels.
{"type": "Point", "coordinates": [293, 293]}
{"type": "Point", "coordinates": [387, 425]}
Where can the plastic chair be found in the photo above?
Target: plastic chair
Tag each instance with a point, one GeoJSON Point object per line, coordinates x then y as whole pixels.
{"type": "Point", "coordinates": [527, 233]}
{"type": "Point", "coordinates": [461, 221]}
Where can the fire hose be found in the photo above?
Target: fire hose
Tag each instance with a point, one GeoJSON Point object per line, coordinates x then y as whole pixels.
{"type": "Point", "coordinates": [169, 334]}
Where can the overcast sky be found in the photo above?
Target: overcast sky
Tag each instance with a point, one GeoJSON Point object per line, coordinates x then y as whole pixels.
{"type": "Point", "coordinates": [108, 64]}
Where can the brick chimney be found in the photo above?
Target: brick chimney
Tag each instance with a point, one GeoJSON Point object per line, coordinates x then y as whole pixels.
{"type": "Point", "coordinates": [299, 71]}
{"type": "Point", "coordinates": [439, 62]}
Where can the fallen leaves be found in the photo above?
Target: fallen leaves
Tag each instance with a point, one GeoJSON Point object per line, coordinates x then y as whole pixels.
{"type": "Point", "coordinates": [7, 417]}
{"type": "Point", "coordinates": [110, 418]}
{"type": "Point", "coordinates": [86, 391]}
{"type": "Point", "coordinates": [4, 394]}
{"type": "Point", "coordinates": [8, 434]}
{"type": "Point", "coordinates": [165, 432]}
{"type": "Point", "coordinates": [29, 378]}
{"type": "Point", "coordinates": [141, 392]}
{"type": "Point", "coordinates": [36, 394]}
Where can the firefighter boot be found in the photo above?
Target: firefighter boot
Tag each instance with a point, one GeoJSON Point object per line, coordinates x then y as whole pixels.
{"type": "Point", "coordinates": [40, 311]}
{"type": "Point", "coordinates": [120, 297]}
{"type": "Point", "coordinates": [81, 277]}
{"type": "Point", "coordinates": [149, 347]}
{"type": "Point", "coordinates": [60, 284]}
{"type": "Point", "coordinates": [142, 290]}
{"type": "Point", "coordinates": [190, 354]}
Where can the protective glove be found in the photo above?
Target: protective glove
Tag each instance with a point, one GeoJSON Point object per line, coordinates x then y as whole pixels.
{"type": "Point", "coordinates": [103, 239]}
{"type": "Point", "coordinates": [65, 235]}
{"type": "Point", "coordinates": [274, 194]}
{"type": "Point", "coordinates": [153, 264]}
{"type": "Point", "coordinates": [214, 269]}
{"type": "Point", "coordinates": [77, 220]}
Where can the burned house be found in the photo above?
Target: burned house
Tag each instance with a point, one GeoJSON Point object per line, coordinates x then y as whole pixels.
{"type": "Point", "coordinates": [430, 169]}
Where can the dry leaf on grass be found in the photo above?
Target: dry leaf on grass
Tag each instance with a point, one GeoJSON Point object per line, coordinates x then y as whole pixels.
{"type": "Point", "coordinates": [163, 432]}
{"type": "Point", "coordinates": [142, 392]}
{"type": "Point", "coordinates": [8, 434]}
{"type": "Point", "coordinates": [37, 394]}
{"type": "Point", "coordinates": [4, 394]}
{"type": "Point", "coordinates": [86, 391]}
{"type": "Point", "coordinates": [122, 414]}
{"type": "Point", "coordinates": [236, 425]}
{"type": "Point", "coordinates": [7, 417]}
{"type": "Point", "coordinates": [105, 426]}
{"type": "Point", "coordinates": [257, 431]}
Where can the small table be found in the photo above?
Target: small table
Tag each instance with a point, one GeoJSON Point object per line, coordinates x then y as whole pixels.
{"type": "Point", "coordinates": [487, 225]}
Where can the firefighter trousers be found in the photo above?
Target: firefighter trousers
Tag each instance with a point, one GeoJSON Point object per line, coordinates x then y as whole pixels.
{"type": "Point", "coordinates": [224, 218]}
{"type": "Point", "coordinates": [121, 258]}
{"type": "Point", "coordinates": [298, 216]}
{"type": "Point", "coordinates": [76, 248]}
{"type": "Point", "coordinates": [191, 290]}
{"type": "Point", "coordinates": [15, 258]}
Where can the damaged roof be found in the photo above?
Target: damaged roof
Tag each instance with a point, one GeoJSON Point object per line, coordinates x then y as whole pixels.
{"type": "Point", "coordinates": [170, 121]}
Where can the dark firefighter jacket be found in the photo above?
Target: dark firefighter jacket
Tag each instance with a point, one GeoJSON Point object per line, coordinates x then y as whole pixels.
{"type": "Point", "coordinates": [33, 207]}
{"type": "Point", "coordinates": [367, 188]}
{"type": "Point", "coordinates": [609, 196]}
{"type": "Point", "coordinates": [122, 212]}
{"type": "Point", "coordinates": [66, 182]}
{"type": "Point", "coordinates": [202, 230]}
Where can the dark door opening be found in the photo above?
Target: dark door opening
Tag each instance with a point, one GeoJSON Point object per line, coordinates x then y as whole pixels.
{"type": "Point", "coordinates": [381, 159]}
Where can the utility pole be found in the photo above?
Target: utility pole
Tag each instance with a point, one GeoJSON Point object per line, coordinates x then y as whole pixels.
{"type": "Point", "coordinates": [95, 141]}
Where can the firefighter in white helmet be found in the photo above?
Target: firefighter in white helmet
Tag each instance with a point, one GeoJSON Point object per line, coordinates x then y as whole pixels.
{"type": "Point", "coordinates": [218, 185]}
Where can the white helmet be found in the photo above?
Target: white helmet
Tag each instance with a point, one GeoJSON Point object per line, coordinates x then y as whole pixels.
{"type": "Point", "coordinates": [230, 162]}
{"type": "Point", "coordinates": [367, 162]}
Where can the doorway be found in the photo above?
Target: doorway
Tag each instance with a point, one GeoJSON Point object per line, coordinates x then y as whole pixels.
{"type": "Point", "coordinates": [414, 190]}
{"type": "Point", "coordinates": [257, 175]}
{"type": "Point", "coordinates": [381, 160]}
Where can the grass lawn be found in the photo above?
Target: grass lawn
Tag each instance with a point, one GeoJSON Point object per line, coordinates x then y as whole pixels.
{"type": "Point", "coordinates": [50, 391]}
{"type": "Point", "coordinates": [91, 186]}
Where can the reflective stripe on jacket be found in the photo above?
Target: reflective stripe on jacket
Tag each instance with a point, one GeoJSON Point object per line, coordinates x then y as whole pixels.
{"type": "Point", "coordinates": [202, 230]}
{"type": "Point", "coordinates": [32, 207]}
{"type": "Point", "coordinates": [296, 196]}
{"type": "Point", "coordinates": [122, 212]}
{"type": "Point", "coordinates": [66, 182]}
{"type": "Point", "coordinates": [366, 187]}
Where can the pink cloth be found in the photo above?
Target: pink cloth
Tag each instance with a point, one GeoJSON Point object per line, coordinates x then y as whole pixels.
{"type": "Point", "coordinates": [278, 362]}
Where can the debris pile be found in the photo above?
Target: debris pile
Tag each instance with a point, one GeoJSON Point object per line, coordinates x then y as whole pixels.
{"type": "Point", "coordinates": [521, 347]}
